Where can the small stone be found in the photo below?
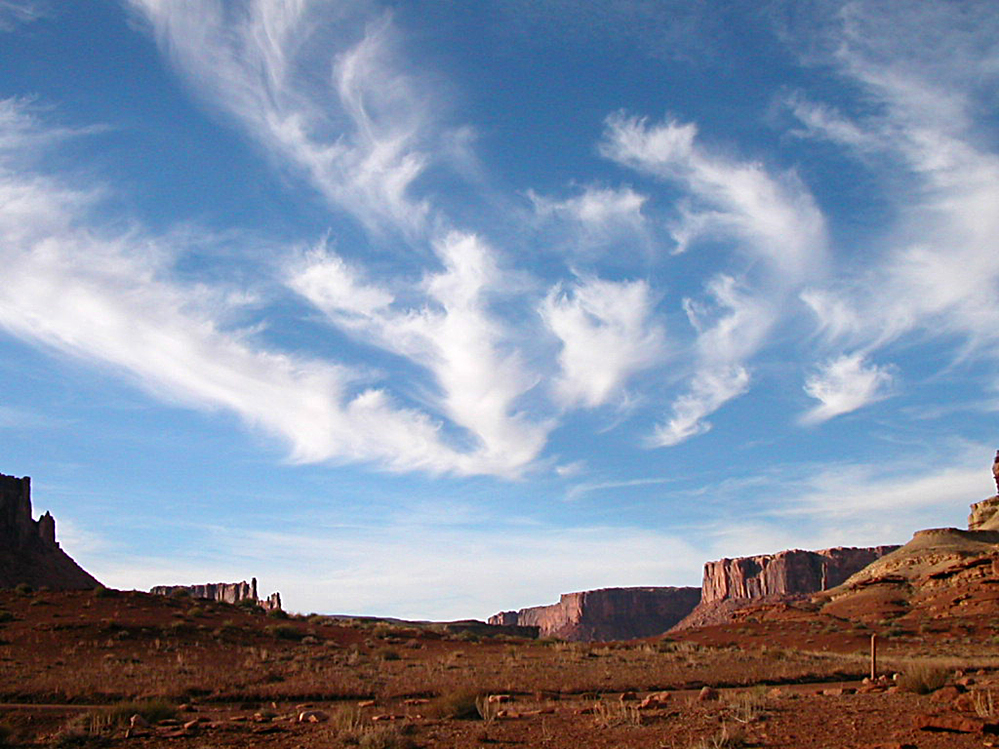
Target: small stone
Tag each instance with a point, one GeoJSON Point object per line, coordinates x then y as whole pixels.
{"type": "Point", "coordinates": [313, 716]}
{"type": "Point", "coordinates": [415, 701]}
{"type": "Point", "coordinates": [497, 698]}
{"type": "Point", "coordinates": [951, 723]}
{"type": "Point", "coordinates": [946, 694]}
{"type": "Point", "coordinates": [707, 694]}
{"type": "Point", "coordinates": [192, 724]}
{"type": "Point", "coordinates": [833, 692]}
{"type": "Point", "coordinates": [137, 721]}
{"type": "Point", "coordinates": [367, 703]}
{"type": "Point", "coordinates": [628, 697]}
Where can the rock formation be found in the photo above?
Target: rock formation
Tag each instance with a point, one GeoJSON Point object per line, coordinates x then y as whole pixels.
{"type": "Point", "coordinates": [984, 515]}
{"type": "Point", "coordinates": [733, 584]}
{"type": "Point", "coordinates": [606, 614]}
{"type": "Point", "coordinates": [224, 592]}
{"type": "Point", "coordinates": [29, 552]}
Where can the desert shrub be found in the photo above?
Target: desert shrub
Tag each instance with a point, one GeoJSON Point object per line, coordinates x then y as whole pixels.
{"type": "Point", "coordinates": [467, 636]}
{"type": "Point", "coordinates": [250, 606]}
{"type": "Point", "coordinates": [180, 593]}
{"type": "Point", "coordinates": [726, 738]}
{"type": "Point", "coordinates": [24, 589]}
{"type": "Point", "coordinates": [748, 705]}
{"type": "Point", "coordinates": [614, 713]}
{"type": "Point", "coordinates": [277, 614]}
{"type": "Point", "coordinates": [195, 611]}
{"type": "Point", "coordinates": [387, 654]}
{"type": "Point", "coordinates": [152, 710]}
{"type": "Point", "coordinates": [347, 719]}
{"type": "Point", "coordinates": [923, 678]}
{"type": "Point", "coordinates": [101, 592]}
{"type": "Point", "coordinates": [458, 703]}
{"type": "Point", "coordinates": [386, 737]}
{"type": "Point", "coordinates": [286, 632]}
{"type": "Point", "coordinates": [6, 616]}
{"type": "Point", "coordinates": [180, 628]}
{"type": "Point", "coordinates": [986, 706]}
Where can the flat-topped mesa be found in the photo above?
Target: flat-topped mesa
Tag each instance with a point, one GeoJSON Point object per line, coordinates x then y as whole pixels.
{"type": "Point", "coordinates": [29, 552]}
{"type": "Point", "coordinates": [786, 573]}
{"type": "Point", "coordinates": [734, 584]}
{"type": "Point", "coordinates": [606, 614]}
{"type": "Point", "coordinates": [223, 592]}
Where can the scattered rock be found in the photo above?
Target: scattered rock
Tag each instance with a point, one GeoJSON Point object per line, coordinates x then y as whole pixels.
{"type": "Point", "coordinates": [497, 698]}
{"type": "Point", "coordinates": [313, 716]}
{"type": "Point", "coordinates": [367, 703]}
{"type": "Point", "coordinates": [137, 721]}
{"type": "Point", "coordinates": [387, 716]}
{"type": "Point", "coordinates": [628, 697]}
{"type": "Point", "coordinates": [707, 694]}
{"type": "Point", "coordinates": [655, 700]}
{"type": "Point", "coordinates": [954, 723]}
{"type": "Point", "coordinates": [415, 701]}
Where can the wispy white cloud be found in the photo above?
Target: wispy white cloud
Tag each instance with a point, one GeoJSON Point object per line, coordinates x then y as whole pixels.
{"type": "Point", "coordinates": [845, 384]}
{"type": "Point", "coordinates": [729, 331]}
{"type": "Point", "coordinates": [578, 490]}
{"type": "Point", "coordinates": [770, 218]}
{"type": "Point", "coordinates": [357, 134]}
{"type": "Point", "coordinates": [938, 275]}
{"type": "Point", "coordinates": [452, 333]}
{"type": "Point", "coordinates": [13, 13]}
{"type": "Point", "coordinates": [596, 216]}
{"type": "Point", "coordinates": [607, 332]}
{"type": "Point", "coordinates": [110, 298]}
{"type": "Point", "coordinates": [773, 217]}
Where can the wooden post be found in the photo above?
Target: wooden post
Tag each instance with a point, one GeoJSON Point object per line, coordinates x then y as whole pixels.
{"type": "Point", "coordinates": [874, 657]}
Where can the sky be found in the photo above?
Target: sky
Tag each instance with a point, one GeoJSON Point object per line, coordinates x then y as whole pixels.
{"type": "Point", "coordinates": [433, 309]}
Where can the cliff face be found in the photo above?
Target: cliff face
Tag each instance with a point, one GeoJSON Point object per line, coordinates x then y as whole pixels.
{"type": "Point", "coordinates": [225, 592]}
{"type": "Point", "coordinates": [984, 515]}
{"type": "Point", "coordinates": [786, 573]}
{"type": "Point", "coordinates": [29, 552]}
{"type": "Point", "coordinates": [732, 584]}
{"type": "Point", "coordinates": [606, 614]}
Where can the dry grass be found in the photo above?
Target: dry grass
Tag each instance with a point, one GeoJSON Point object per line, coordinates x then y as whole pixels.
{"type": "Point", "coordinates": [923, 677]}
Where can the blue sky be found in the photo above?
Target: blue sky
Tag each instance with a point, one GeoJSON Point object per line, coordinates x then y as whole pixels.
{"type": "Point", "coordinates": [433, 309]}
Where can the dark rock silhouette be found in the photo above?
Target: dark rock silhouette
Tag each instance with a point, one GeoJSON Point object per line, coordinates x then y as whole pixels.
{"type": "Point", "coordinates": [29, 552]}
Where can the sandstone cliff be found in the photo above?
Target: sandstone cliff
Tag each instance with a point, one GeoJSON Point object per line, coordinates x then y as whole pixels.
{"type": "Point", "coordinates": [606, 614]}
{"type": "Point", "coordinates": [733, 584]}
{"type": "Point", "coordinates": [225, 592]}
{"type": "Point", "coordinates": [29, 552]}
{"type": "Point", "coordinates": [984, 515]}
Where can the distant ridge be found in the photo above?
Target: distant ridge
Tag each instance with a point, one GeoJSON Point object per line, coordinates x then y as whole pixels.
{"type": "Point", "coordinates": [29, 552]}
{"type": "Point", "coordinates": [224, 592]}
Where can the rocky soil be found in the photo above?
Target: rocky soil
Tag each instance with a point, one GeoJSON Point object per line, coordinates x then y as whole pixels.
{"type": "Point", "coordinates": [77, 666]}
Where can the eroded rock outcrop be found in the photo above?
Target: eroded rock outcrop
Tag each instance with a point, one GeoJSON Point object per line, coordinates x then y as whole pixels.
{"type": "Point", "coordinates": [224, 592]}
{"type": "Point", "coordinates": [984, 515]}
{"type": "Point", "coordinates": [733, 584]}
{"type": "Point", "coordinates": [606, 614]}
{"type": "Point", "coordinates": [29, 552]}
